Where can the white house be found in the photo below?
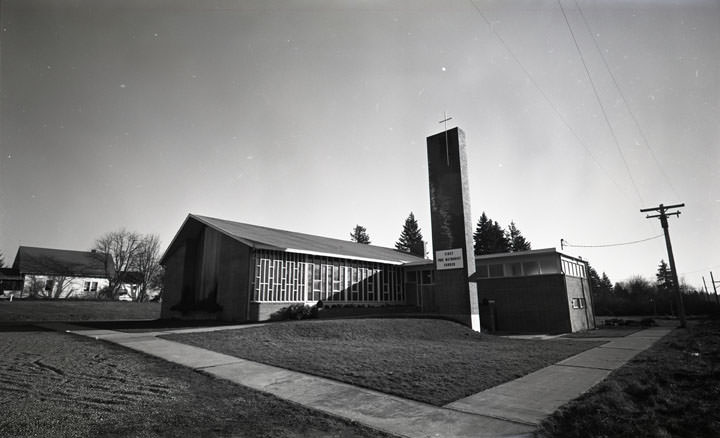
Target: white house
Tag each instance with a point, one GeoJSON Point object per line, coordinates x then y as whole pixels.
{"type": "Point", "coordinates": [61, 273]}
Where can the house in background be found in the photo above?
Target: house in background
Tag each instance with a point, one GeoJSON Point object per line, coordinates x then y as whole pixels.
{"type": "Point", "coordinates": [60, 273]}
{"type": "Point", "coordinates": [11, 282]}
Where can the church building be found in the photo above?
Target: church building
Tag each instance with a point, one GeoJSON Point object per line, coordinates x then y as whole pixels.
{"type": "Point", "coordinates": [231, 271]}
{"type": "Point", "coordinates": [242, 272]}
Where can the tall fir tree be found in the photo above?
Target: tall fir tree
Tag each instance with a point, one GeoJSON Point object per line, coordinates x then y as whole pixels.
{"type": "Point", "coordinates": [480, 236]}
{"type": "Point", "coordinates": [663, 278]}
{"type": "Point", "coordinates": [594, 279]}
{"type": "Point", "coordinates": [411, 239]}
{"type": "Point", "coordinates": [605, 283]}
{"type": "Point", "coordinates": [516, 239]}
{"type": "Point", "coordinates": [489, 237]}
{"type": "Point", "coordinates": [499, 241]}
{"type": "Point", "coordinates": [359, 234]}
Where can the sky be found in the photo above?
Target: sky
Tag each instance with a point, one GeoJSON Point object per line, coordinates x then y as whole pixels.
{"type": "Point", "coordinates": [312, 116]}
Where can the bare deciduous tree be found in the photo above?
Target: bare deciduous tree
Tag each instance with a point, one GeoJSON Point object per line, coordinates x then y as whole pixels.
{"type": "Point", "coordinates": [53, 287]}
{"type": "Point", "coordinates": [146, 263]}
{"type": "Point", "coordinates": [120, 248]}
{"type": "Point", "coordinates": [130, 252]}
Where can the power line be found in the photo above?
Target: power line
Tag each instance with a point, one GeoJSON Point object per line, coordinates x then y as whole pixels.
{"type": "Point", "coordinates": [564, 242]}
{"type": "Point", "coordinates": [555, 109]}
{"type": "Point", "coordinates": [597, 96]}
{"type": "Point", "coordinates": [625, 101]}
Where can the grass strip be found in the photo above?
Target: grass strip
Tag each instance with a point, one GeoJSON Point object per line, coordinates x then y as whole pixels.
{"type": "Point", "coordinates": [428, 360]}
{"type": "Point", "coordinates": [670, 390]}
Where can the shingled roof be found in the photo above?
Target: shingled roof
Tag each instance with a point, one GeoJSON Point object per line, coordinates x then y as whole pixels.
{"type": "Point", "coordinates": [48, 261]}
{"type": "Point", "coordinates": [259, 237]}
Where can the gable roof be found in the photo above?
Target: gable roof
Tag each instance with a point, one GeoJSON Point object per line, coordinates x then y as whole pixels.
{"type": "Point", "coordinates": [48, 261]}
{"type": "Point", "coordinates": [259, 237]}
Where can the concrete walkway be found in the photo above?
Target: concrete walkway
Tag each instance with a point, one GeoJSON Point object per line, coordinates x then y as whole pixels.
{"type": "Point", "coordinates": [531, 398]}
{"type": "Point", "coordinates": [511, 409]}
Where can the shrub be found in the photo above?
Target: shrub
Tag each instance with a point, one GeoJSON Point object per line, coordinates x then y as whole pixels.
{"type": "Point", "coordinates": [295, 311]}
{"type": "Point", "coordinates": [648, 322]}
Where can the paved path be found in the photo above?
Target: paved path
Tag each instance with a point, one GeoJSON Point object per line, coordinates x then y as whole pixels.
{"type": "Point", "coordinates": [511, 409]}
{"type": "Point", "coordinates": [531, 398]}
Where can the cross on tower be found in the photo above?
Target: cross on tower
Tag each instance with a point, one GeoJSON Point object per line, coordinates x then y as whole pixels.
{"type": "Point", "coordinates": [447, 151]}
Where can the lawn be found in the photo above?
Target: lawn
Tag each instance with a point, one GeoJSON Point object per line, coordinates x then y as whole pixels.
{"type": "Point", "coordinates": [670, 390]}
{"type": "Point", "coordinates": [60, 385]}
{"type": "Point", "coordinates": [428, 360]}
{"type": "Point", "coordinates": [76, 310]}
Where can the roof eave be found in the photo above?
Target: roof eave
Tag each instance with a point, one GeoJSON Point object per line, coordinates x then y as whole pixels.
{"type": "Point", "coordinates": [343, 256]}
{"type": "Point", "coordinates": [247, 242]}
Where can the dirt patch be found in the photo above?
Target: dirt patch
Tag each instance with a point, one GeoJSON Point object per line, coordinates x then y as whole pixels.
{"type": "Point", "coordinates": [59, 385]}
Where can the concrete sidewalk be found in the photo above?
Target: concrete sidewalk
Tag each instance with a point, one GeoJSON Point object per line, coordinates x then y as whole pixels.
{"type": "Point", "coordinates": [511, 409]}
{"type": "Point", "coordinates": [531, 398]}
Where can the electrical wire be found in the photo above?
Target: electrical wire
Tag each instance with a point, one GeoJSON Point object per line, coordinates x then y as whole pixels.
{"type": "Point", "coordinates": [625, 102]}
{"type": "Point", "coordinates": [602, 106]}
{"type": "Point", "coordinates": [565, 243]}
{"type": "Point", "coordinates": [550, 103]}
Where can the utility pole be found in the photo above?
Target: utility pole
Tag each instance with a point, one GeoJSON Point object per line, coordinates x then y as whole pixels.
{"type": "Point", "coordinates": [663, 215]}
{"type": "Point", "coordinates": [714, 287]}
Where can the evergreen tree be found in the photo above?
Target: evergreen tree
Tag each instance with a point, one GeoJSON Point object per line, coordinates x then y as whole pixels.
{"type": "Point", "coordinates": [498, 241]}
{"type": "Point", "coordinates": [481, 235]}
{"type": "Point", "coordinates": [360, 235]}
{"type": "Point", "coordinates": [2, 260]}
{"type": "Point", "coordinates": [601, 290]}
{"type": "Point", "coordinates": [663, 282]}
{"type": "Point", "coordinates": [594, 279]}
{"type": "Point", "coordinates": [605, 283]}
{"type": "Point", "coordinates": [663, 276]}
{"type": "Point", "coordinates": [490, 237]}
{"type": "Point", "coordinates": [516, 239]}
{"type": "Point", "coordinates": [411, 239]}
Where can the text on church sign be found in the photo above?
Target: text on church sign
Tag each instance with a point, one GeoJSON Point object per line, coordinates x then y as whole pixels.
{"type": "Point", "coordinates": [449, 259]}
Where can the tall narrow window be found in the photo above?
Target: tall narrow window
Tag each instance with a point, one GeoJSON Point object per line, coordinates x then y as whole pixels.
{"type": "Point", "coordinates": [317, 282]}
{"type": "Point", "coordinates": [354, 286]}
{"type": "Point", "coordinates": [336, 282]}
{"type": "Point", "coordinates": [369, 287]}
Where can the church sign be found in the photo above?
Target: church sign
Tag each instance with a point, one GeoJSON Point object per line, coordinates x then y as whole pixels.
{"type": "Point", "coordinates": [449, 259]}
